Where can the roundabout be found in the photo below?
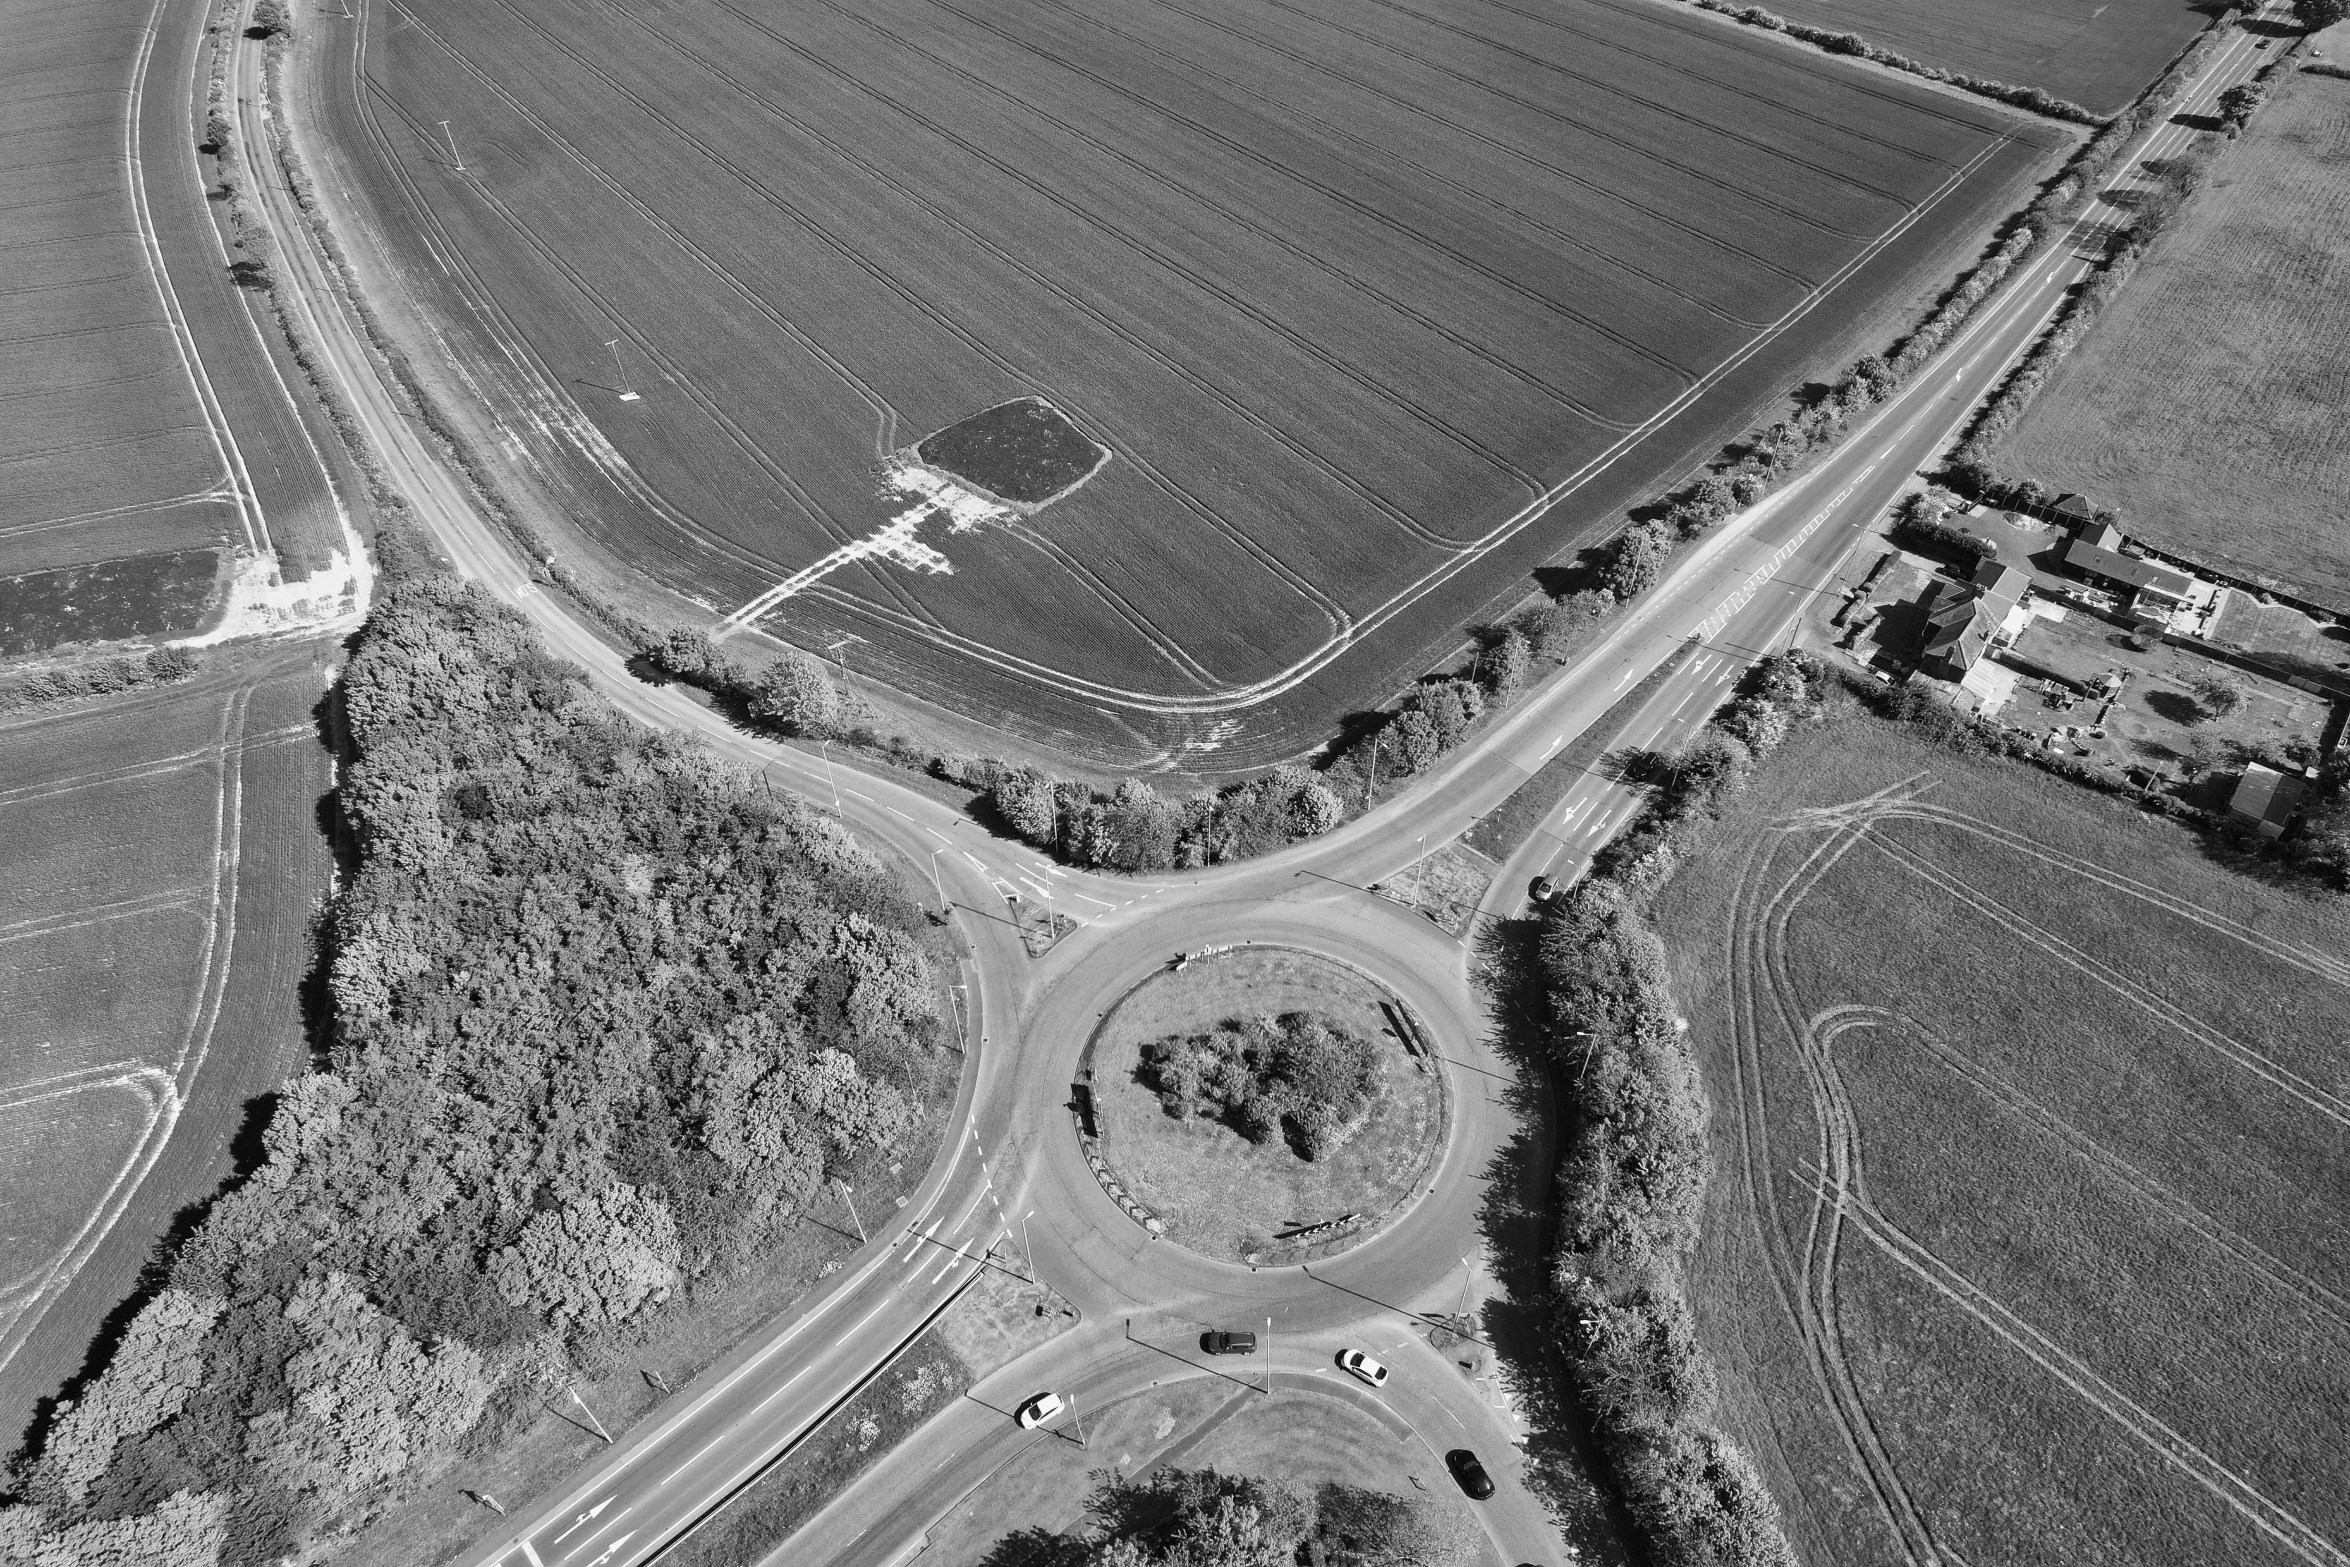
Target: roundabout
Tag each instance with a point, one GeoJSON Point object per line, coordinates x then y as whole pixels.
{"type": "Point", "coordinates": [1329, 1151]}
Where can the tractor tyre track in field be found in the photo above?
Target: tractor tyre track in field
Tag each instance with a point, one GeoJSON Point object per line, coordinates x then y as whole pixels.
{"type": "Point", "coordinates": [2271, 1071]}
{"type": "Point", "coordinates": [1168, 647]}
{"type": "Point", "coordinates": [1297, 581]}
{"type": "Point", "coordinates": [1037, 112]}
{"type": "Point", "coordinates": [1740, 138]}
{"type": "Point", "coordinates": [2139, 1183]}
{"type": "Point", "coordinates": [1693, 172]}
{"type": "Point", "coordinates": [1836, 1136]}
{"type": "Point", "coordinates": [1839, 1177]}
{"type": "Point", "coordinates": [1376, 617]}
{"type": "Point", "coordinates": [915, 299]}
{"type": "Point", "coordinates": [224, 439]}
{"type": "Point", "coordinates": [1394, 157]}
{"type": "Point", "coordinates": [2173, 1448]}
{"type": "Point", "coordinates": [167, 1089]}
{"type": "Point", "coordinates": [1720, 87]}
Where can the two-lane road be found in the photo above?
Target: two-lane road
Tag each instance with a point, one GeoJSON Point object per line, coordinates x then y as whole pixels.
{"type": "Point", "coordinates": [1736, 591]}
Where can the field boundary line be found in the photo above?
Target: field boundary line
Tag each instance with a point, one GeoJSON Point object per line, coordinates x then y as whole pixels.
{"type": "Point", "coordinates": [224, 439]}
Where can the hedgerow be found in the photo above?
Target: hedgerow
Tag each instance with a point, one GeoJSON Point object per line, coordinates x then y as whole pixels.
{"type": "Point", "coordinates": [102, 677]}
{"type": "Point", "coordinates": [1632, 1177]}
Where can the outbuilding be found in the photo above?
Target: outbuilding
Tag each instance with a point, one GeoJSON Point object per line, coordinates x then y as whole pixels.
{"type": "Point", "coordinates": [2265, 800]}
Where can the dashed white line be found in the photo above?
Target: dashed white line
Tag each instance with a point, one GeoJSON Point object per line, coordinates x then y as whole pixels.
{"type": "Point", "coordinates": [861, 1321]}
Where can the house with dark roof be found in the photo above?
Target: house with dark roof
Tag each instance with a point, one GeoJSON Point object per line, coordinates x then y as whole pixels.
{"type": "Point", "coordinates": [1964, 620]}
{"type": "Point", "coordinates": [2265, 799]}
{"type": "Point", "coordinates": [2104, 563]}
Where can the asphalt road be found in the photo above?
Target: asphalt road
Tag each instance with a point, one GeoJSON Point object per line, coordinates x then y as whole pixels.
{"type": "Point", "coordinates": [1013, 1156]}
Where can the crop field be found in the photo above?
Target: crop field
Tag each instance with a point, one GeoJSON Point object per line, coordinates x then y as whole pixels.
{"type": "Point", "coordinates": [2205, 404]}
{"type": "Point", "coordinates": [1374, 307]}
{"type": "Point", "coordinates": [159, 857]}
{"type": "Point", "coordinates": [2026, 1237]}
{"type": "Point", "coordinates": [140, 415]}
{"type": "Point", "coordinates": [2097, 53]}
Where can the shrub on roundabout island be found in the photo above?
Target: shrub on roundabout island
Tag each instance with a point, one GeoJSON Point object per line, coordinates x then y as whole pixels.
{"type": "Point", "coordinates": [1299, 1074]}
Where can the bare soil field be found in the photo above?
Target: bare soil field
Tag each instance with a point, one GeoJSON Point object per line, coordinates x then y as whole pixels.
{"type": "Point", "coordinates": [162, 858]}
{"type": "Point", "coordinates": [141, 412]}
{"type": "Point", "coordinates": [2205, 404]}
{"type": "Point", "coordinates": [2025, 1241]}
{"type": "Point", "coordinates": [2097, 53]}
{"type": "Point", "coordinates": [1354, 297]}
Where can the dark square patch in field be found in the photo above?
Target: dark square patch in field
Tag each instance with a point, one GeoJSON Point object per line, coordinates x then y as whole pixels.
{"type": "Point", "coordinates": [1025, 451]}
{"type": "Point", "coordinates": [137, 596]}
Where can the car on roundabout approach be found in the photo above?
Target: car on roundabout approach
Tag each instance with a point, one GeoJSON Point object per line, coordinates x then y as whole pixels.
{"type": "Point", "coordinates": [1362, 1366]}
{"type": "Point", "coordinates": [1470, 1473]}
{"type": "Point", "coordinates": [1038, 1410]}
{"type": "Point", "coordinates": [1223, 1343]}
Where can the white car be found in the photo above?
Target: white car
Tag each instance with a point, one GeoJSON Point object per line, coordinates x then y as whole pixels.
{"type": "Point", "coordinates": [1364, 1366]}
{"type": "Point", "coordinates": [1043, 1407]}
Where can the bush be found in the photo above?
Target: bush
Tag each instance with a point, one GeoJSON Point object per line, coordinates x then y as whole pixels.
{"type": "Point", "coordinates": [797, 693]}
{"type": "Point", "coordinates": [1300, 1074]}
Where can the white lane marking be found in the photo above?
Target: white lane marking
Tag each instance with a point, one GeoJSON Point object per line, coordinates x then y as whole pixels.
{"type": "Point", "coordinates": [585, 1517]}
{"type": "Point", "coordinates": [533, 1555]}
{"type": "Point", "coordinates": [861, 1321]}
{"type": "Point", "coordinates": [1554, 748]}
{"type": "Point", "coordinates": [940, 836]}
{"type": "Point", "coordinates": [956, 1227]}
{"type": "Point", "coordinates": [947, 1266]}
{"type": "Point", "coordinates": [1090, 898]}
{"type": "Point", "coordinates": [1625, 680]}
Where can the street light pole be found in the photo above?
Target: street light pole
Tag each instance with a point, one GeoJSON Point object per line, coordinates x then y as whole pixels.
{"type": "Point", "coordinates": [591, 1414]}
{"type": "Point", "coordinates": [936, 882]}
{"type": "Point", "coordinates": [848, 1194]}
{"type": "Point", "coordinates": [824, 749]}
{"type": "Point", "coordinates": [1268, 1357]}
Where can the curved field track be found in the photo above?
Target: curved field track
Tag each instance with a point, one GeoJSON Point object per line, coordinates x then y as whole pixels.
{"type": "Point", "coordinates": [1375, 306]}
{"type": "Point", "coordinates": [162, 862]}
{"type": "Point", "coordinates": [2033, 1137]}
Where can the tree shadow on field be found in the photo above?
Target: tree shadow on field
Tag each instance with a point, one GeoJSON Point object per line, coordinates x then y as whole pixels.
{"type": "Point", "coordinates": [246, 1150]}
{"type": "Point", "coordinates": [1519, 1222]}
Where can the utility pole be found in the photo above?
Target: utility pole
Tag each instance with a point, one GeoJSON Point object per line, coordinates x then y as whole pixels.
{"type": "Point", "coordinates": [627, 393]}
{"type": "Point", "coordinates": [848, 1195]}
{"type": "Point", "coordinates": [573, 1390]}
{"type": "Point", "coordinates": [1372, 787]}
{"type": "Point", "coordinates": [1268, 1357]}
{"type": "Point", "coordinates": [1077, 1420]}
{"type": "Point", "coordinates": [452, 140]}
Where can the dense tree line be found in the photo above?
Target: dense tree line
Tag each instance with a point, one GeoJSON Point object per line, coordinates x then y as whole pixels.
{"type": "Point", "coordinates": [1206, 1518]}
{"type": "Point", "coordinates": [1632, 1175]}
{"type": "Point", "coordinates": [603, 1020]}
{"type": "Point", "coordinates": [1300, 1075]}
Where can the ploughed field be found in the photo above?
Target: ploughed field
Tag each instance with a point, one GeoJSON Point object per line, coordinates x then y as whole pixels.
{"type": "Point", "coordinates": [159, 865]}
{"type": "Point", "coordinates": [2206, 402]}
{"type": "Point", "coordinates": [1350, 293]}
{"type": "Point", "coordinates": [140, 416]}
{"type": "Point", "coordinates": [2025, 1242]}
{"type": "Point", "coordinates": [2097, 53]}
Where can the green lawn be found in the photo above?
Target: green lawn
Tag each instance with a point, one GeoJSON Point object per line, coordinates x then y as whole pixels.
{"type": "Point", "coordinates": [2027, 1229]}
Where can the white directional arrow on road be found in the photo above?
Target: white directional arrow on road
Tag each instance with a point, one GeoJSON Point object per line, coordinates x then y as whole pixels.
{"type": "Point", "coordinates": [584, 1517]}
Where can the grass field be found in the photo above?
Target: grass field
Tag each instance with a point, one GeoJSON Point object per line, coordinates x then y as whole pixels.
{"type": "Point", "coordinates": [1218, 1192]}
{"type": "Point", "coordinates": [2205, 403]}
{"type": "Point", "coordinates": [2026, 1237]}
{"type": "Point", "coordinates": [1348, 293]}
{"type": "Point", "coordinates": [162, 595]}
{"type": "Point", "coordinates": [2097, 53]}
{"type": "Point", "coordinates": [142, 413]}
{"type": "Point", "coordinates": [159, 860]}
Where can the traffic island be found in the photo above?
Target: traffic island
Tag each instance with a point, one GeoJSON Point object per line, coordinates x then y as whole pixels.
{"type": "Point", "coordinates": [1263, 1105]}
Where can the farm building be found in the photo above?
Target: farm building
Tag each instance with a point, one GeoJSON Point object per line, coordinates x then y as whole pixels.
{"type": "Point", "coordinates": [2096, 554]}
{"type": "Point", "coordinates": [2265, 800]}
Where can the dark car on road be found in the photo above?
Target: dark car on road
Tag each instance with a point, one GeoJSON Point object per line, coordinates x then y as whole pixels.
{"type": "Point", "coordinates": [1228, 1343]}
{"type": "Point", "coordinates": [1470, 1473]}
